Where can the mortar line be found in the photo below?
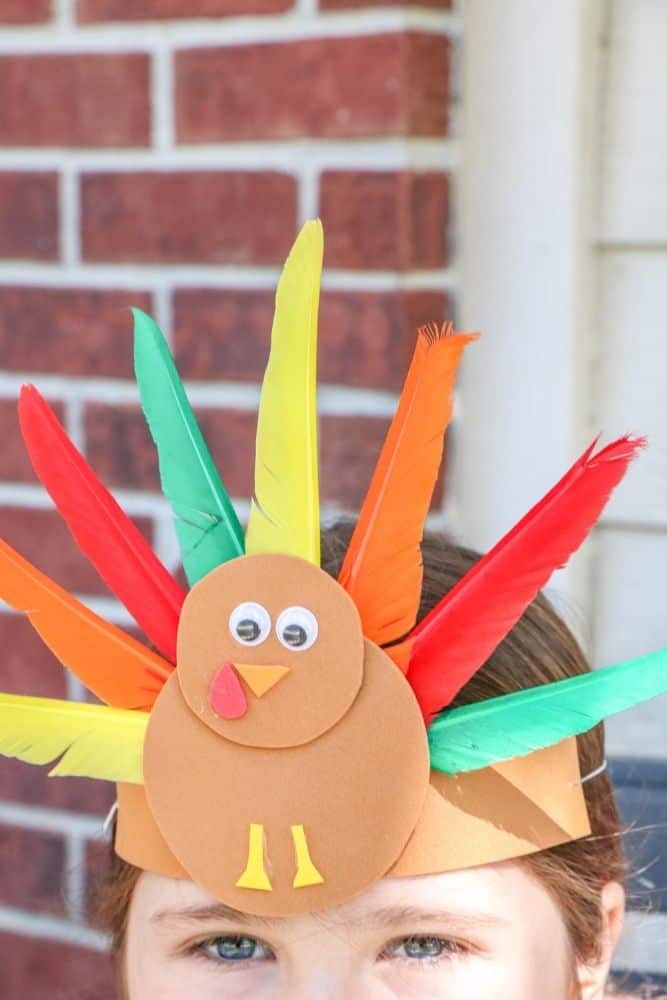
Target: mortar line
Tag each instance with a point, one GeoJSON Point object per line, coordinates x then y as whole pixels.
{"type": "Point", "coordinates": [383, 153]}
{"type": "Point", "coordinates": [333, 399]}
{"type": "Point", "coordinates": [309, 193]}
{"type": "Point", "coordinates": [162, 100]}
{"type": "Point", "coordinates": [224, 32]}
{"type": "Point", "coordinates": [75, 877]}
{"type": "Point", "coordinates": [50, 820]}
{"type": "Point", "coordinates": [63, 14]}
{"type": "Point", "coordinates": [163, 311]}
{"type": "Point", "coordinates": [74, 422]}
{"type": "Point", "coordinates": [37, 925]}
{"type": "Point", "coordinates": [139, 277]}
{"type": "Point", "coordinates": [70, 222]}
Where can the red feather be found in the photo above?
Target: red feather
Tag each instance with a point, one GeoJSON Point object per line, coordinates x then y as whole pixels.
{"type": "Point", "coordinates": [102, 530]}
{"type": "Point", "coordinates": [460, 633]}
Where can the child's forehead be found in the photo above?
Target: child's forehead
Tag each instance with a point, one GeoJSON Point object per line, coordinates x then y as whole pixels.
{"type": "Point", "coordinates": [486, 898]}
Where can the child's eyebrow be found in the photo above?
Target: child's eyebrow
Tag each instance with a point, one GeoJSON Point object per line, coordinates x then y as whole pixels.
{"type": "Point", "coordinates": [208, 913]}
{"type": "Point", "coordinates": [405, 915]}
{"type": "Point", "coordinates": [348, 916]}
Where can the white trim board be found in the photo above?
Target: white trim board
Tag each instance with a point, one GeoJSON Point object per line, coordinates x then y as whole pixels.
{"type": "Point", "coordinates": [529, 72]}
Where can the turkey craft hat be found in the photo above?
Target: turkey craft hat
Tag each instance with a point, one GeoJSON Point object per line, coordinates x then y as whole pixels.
{"type": "Point", "coordinates": [290, 741]}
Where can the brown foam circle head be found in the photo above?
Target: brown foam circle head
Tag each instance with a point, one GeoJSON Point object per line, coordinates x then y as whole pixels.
{"type": "Point", "coordinates": [270, 651]}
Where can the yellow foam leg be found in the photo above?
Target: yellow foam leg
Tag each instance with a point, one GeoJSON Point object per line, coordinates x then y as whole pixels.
{"type": "Point", "coordinates": [254, 876]}
{"type": "Point", "coordinates": [306, 872]}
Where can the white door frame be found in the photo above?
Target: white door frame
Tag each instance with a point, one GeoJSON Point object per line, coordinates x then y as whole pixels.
{"type": "Point", "coordinates": [527, 260]}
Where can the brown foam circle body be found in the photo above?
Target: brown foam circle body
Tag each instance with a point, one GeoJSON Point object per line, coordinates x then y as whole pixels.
{"type": "Point", "coordinates": [323, 680]}
{"type": "Point", "coordinates": [358, 791]}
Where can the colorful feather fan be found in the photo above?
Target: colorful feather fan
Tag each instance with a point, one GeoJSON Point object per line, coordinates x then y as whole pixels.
{"type": "Point", "coordinates": [259, 716]}
{"type": "Point", "coordinates": [475, 736]}
{"type": "Point", "coordinates": [91, 741]}
{"type": "Point", "coordinates": [102, 530]}
{"type": "Point", "coordinates": [208, 529]}
{"type": "Point", "coordinates": [111, 664]}
{"type": "Point", "coordinates": [385, 543]}
{"type": "Point", "coordinates": [460, 633]}
{"type": "Point", "coordinates": [285, 511]}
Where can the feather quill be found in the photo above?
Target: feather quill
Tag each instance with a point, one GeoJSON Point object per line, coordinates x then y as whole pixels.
{"type": "Point", "coordinates": [92, 741]}
{"type": "Point", "coordinates": [113, 665]}
{"type": "Point", "coordinates": [460, 633]}
{"type": "Point", "coordinates": [100, 527]}
{"type": "Point", "coordinates": [382, 570]}
{"type": "Point", "coordinates": [475, 736]}
{"type": "Point", "coordinates": [208, 529]}
{"type": "Point", "coordinates": [285, 512]}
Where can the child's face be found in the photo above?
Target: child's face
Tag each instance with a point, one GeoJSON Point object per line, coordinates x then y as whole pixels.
{"type": "Point", "coordinates": [490, 932]}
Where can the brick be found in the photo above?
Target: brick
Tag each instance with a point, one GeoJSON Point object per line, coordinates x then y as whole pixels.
{"type": "Point", "coordinates": [99, 854]}
{"type": "Point", "coordinates": [30, 784]}
{"type": "Point", "coordinates": [51, 970]}
{"type": "Point", "coordinates": [28, 215]}
{"type": "Point", "coordinates": [137, 10]}
{"type": "Point", "coordinates": [365, 338]}
{"type": "Point", "coordinates": [123, 452]}
{"type": "Point", "coordinates": [121, 448]}
{"type": "Point", "coordinates": [349, 449]}
{"type": "Point", "coordinates": [24, 11]}
{"type": "Point", "coordinates": [99, 857]}
{"type": "Point", "coordinates": [68, 331]}
{"type": "Point", "coordinates": [228, 217]}
{"type": "Point", "coordinates": [75, 100]}
{"type": "Point", "coordinates": [32, 870]}
{"type": "Point", "coordinates": [14, 461]}
{"type": "Point", "coordinates": [384, 219]}
{"type": "Point", "coordinates": [42, 537]}
{"type": "Point", "coordinates": [312, 88]}
{"type": "Point", "coordinates": [28, 667]}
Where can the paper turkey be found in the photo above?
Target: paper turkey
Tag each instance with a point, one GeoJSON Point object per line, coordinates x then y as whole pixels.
{"type": "Point", "coordinates": [285, 730]}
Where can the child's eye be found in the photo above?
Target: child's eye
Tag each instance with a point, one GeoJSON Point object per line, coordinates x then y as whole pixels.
{"type": "Point", "coordinates": [421, 948]}
{"type": "Point", "coordinates": [235, 948]}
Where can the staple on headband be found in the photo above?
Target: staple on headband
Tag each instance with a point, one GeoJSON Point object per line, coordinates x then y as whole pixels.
{"type": "Point", "coordinates": [591, 774]}
{"type": "Point", "coordinates": [110, 816]}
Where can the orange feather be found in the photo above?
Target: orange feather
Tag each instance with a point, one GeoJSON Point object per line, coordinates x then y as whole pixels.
{"type": "Point", "coordinates": [113, 665]}
{"type": "Point", "coordinates": [382, 570]}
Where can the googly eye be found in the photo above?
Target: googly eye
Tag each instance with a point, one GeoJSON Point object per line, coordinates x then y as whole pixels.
{"type": "Point", "coordinates": [297, 628]}
{"type": "Point", "coordinates": [250, 623]}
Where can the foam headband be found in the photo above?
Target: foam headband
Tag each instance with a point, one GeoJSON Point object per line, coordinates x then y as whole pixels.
{"type": "Point", "coordinates": [290, 740]}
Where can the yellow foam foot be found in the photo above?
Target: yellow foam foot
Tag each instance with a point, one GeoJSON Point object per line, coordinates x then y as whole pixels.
{"type": "Point", "coordinates": [306, 873]}
{"type": "Point", "coordinates": [254, 876]}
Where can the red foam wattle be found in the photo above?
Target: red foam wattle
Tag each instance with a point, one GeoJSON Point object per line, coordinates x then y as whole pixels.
{"type": "Point", "coordinates": [226, 695]}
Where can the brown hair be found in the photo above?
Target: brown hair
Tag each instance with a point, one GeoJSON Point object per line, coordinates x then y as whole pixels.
{"type": "Point", "coordinates": [539, 649]}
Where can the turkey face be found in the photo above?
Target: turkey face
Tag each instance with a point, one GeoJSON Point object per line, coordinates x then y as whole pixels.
{"type": "Point", "coordinates": [270, 651]}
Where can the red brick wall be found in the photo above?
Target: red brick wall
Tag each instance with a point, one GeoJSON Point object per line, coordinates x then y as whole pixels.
{"type": "Point", "coordinates": [151, 157]}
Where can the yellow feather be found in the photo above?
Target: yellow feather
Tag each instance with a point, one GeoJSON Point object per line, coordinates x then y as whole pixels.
{"type": "Point", "coordinates": [92, 741]}
{"type": "Point", "coordinates": [285, 512]}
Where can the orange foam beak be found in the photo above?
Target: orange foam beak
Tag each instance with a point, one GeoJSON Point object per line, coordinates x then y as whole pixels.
{"type": "Point", "coordinates": [261, 679]}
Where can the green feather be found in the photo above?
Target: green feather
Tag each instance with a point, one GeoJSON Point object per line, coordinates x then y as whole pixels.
{"type": "Point", "coordinates": [475, 736]}
{"type": "Point", "coordinates": [208, 529]}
